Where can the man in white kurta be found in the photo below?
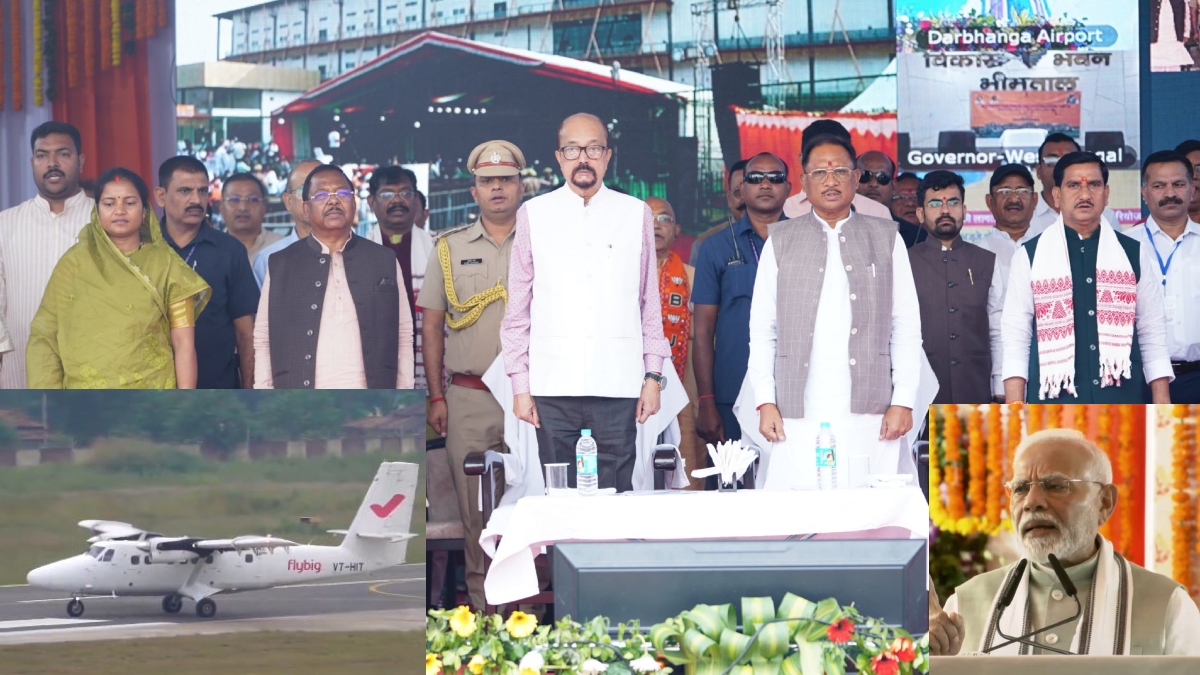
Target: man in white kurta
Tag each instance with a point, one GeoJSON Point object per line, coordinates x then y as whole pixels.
{"type": "Point", "coordinates": [1060, 495]}
{"type": "Point", "coordinates": [35, 234]}
{"type": "Point", "coordinates": [855, 358]}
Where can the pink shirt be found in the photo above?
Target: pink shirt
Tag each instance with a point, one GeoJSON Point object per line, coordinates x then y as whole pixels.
{"type": "Point", "coordinates": [514, 332]}
{"type": "Point", "coordinates": [798, 205]}
{"type": "Point", "coordinates": [339, 345]}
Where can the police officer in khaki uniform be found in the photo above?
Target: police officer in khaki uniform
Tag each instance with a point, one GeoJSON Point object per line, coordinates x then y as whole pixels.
{"type": "Point", "coordinates": [464, 288]}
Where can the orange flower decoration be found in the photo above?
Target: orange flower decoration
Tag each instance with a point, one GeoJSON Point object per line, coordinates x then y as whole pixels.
{"type": "Point", "coordinates": [956, 506]}
{"type": "Point", "coordinates": [976, 463]}
{"type": "Point", "coordinates": [885, 664]}
{"type": "Point", "coordinates": [841, 631]}
{"type": "Point", "coordinates": [904, 650]}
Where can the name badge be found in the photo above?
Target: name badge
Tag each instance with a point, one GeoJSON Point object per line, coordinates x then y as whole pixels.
{"type": "Point", "coordinates": [472, 261]}
{"type": "Point", "coordinates": [1169, 304]}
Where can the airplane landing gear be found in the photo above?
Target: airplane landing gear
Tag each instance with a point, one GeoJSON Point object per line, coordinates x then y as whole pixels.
{"type": "Point", "coordinates": [75, 608]}
{"type": "Point", "coordinates": [171, 604]}
{"type": "Point", "coordinates": [206, 609]}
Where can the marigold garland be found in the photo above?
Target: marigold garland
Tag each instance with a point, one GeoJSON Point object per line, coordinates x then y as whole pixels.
{"type": "Point", "coordinates": [1128, 475]}
{"type": "Point", "coordinates": [1013, 438]}
{"type": "Point", "coordinates": [955, 500]}
{"type": "Point", "coordinates": [89, 38]}
{"type": "Point", "coordinates": [976, 463]}
{"type": "Point", "coordinates": [1182, 518]}
{"type": "Point", "coordinates": [937, 510]}
{"type": "Point", "coordinates": [38, 57]}
{"type": "Point", "coordinates": [1080, 420]}
{"type": "Point", "coordinates": [1054, 416]}
{"type": "Point", "coordinates": [115, 30]}
{"type": "Point", "coordinates": [1034, 418]}
{"type": "Point", "coordinates": [1107, 444]}
{"type": "Point", "coordinates": [162, 13]}
{"type": "Point", "coordinates": [72, 12]}
{"type": "Point", "coordinates": [18, 83]}
{"type": "Point", "coordinates": [995, 474]}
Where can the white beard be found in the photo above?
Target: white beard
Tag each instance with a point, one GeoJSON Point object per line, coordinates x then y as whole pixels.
{"type": "Point", "coordinates": [1078, 535]}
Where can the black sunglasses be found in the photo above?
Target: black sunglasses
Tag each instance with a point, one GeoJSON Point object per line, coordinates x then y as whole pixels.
{"type": "Point", "coordinates": [756, 177]}
{"type": "Point", "coordinates": [881, 177]}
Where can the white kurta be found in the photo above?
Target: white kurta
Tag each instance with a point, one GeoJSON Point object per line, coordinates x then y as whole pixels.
{"type": "Point", "coordinates": [827, 398]}
{"type": "Point", "coordinates": [1181, 294]}
{"type": "Point", "coordinates": [32, 239]}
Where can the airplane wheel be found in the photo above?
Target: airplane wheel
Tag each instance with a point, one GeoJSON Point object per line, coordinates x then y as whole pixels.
{"type": "Point", "coordinates": [75, 608]}
{"type": "Point", "coordinates": [206, 609]}
{"type": "Point", "coordinates": [171, 604]}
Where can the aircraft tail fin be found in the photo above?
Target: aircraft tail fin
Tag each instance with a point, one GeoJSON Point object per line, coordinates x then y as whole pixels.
{"type": "Point", "coordinates": [385, 515]}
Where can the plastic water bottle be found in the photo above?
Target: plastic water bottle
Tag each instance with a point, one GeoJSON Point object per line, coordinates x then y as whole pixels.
{"type": "Point", "coordinates": [826, 458]}
{"type": "Point", "coordinates": [585, 463]}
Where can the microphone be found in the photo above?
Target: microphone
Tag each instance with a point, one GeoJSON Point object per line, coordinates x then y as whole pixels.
{"type": "Point", "coordinates": [1010, 591]}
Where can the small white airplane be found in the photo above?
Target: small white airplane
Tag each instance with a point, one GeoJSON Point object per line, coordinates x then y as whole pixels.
{"type": "Point", "coordinates": [127, 561]}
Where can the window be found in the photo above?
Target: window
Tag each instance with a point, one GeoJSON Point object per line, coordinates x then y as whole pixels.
{"type": "Point", "coordinates": [108, 555]}
{"type": "Point", "coordinates": [135, 560]}
{"type": "Point", "coordinates": [351, 14]}
{"type": "Point", "coordinates": [437, 14]}
{"type": "Point", "coordinates": [410, 19]}
{"type": "Point", "coordinates": [95, 552]}
{"type": "Point", "coordinates": [146, 559]}
{"type": "Point", "coordinates": [351, 28]}
{"type": "Point", "coordinates": [249, 557]}
{"type": "Point", "coordinates": [613, 33]}
{"type": "Point", "coordinates": [321, 71]}
{"type": "Point", "coordinates": [348, 65]}
{"type": "Point", "coordinates": [392, 21]}
{"type": "Point", "coordinates": [322, 35]}
{"type": "Point", "coordinates": [500, 10]}
{"type": "Point", "coordinates": [391, 7]}
{"type": "Point", "coordinates": [411, 3]}
{"type": "Point", "coordinates": [208, 559]}
{"type": "Point", "coordinates": [460, 11]}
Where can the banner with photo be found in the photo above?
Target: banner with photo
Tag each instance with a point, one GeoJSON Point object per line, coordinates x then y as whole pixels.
{"type": "Point", "coordinates": [983, 82]}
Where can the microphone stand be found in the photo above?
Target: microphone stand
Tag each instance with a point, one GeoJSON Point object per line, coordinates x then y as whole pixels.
{"type": "Point", "coordinates": [1009, 591]}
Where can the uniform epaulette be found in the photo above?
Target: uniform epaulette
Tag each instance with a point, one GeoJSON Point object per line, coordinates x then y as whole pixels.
{"type": "Point", "coordinates": [445, 233]}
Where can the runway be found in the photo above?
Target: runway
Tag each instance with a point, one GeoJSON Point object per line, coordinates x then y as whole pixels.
{"type": "Point", "coordinates": [387, 600]}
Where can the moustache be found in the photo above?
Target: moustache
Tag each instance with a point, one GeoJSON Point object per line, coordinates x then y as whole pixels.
{"type": "Point", "coordinates": [945, 220]}
{"type": "Point", "coordinates": [1170, 200]}
{"type": "Point", "coordinates": [195, 209]}
{"type": "Point", "coordinates": [54, 172]}
{"type": "Point", "coordinates": [397, 208]}
{"type": "Point", "coordinates": [582, 167]}
{"type": "Point", "coordinates": [1043, 519]}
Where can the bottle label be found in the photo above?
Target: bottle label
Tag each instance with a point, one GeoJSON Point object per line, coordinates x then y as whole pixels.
{"type": "Point", "coordinates": [826, 458]}
{"type": "Point", "coordinates": [585, 464]}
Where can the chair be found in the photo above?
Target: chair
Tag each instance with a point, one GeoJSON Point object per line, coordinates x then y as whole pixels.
{"type": "Point", "coordinates": [445, 534]}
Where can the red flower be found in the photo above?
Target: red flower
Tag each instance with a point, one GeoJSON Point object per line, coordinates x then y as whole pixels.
{"type": "Point", "coordinates": [885, 664]}
{"type": "Point", "coordinates": [903, 649]}
{"type": "Point", "coordinates": [841, 631]}
{"type": "Point", "coordinates": [925, 24]}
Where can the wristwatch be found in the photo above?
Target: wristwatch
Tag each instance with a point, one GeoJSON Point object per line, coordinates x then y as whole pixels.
{"type": "Point", "coordinates": [658, 379]}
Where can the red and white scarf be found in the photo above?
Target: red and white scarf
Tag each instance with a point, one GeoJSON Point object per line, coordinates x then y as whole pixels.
{"type": "Point", "coordinates": [1054, 316]}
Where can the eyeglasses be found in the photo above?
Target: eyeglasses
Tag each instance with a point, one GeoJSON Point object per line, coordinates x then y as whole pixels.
{"type": "Point", "coordinates": [756, 177]}
{"type": "Point", "coordinates": [1055, 486]}
{"type": "Point", "coordinates": [664, 218]}
{"type": "Point", "coordinates": [842, 174]}
{"type": "Point", "coordinates": [593, 151]}
{"type": "Point", "coordinates": [389, 195]}
{"type": "Point", "coordinates": [881, 177]}
{"type": "Point", "coordinates": [235, 200]}
{"type": "Point", "coordinates": [341, 195]}
{"type": "Point", "coordinates": [1023, 193]}
{"type": "Point", "coordinates": [905, 198]}
{"type": "Point", "coordinates": [935, 204]}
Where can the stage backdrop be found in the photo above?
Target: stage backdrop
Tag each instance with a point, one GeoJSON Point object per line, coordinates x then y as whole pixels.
{"type": "Point", "coordinates": [1175, 439]}
{"type": "Point", "coordinates": [980, 90]}
{"type": "Point", "coordinates": [106, 66]}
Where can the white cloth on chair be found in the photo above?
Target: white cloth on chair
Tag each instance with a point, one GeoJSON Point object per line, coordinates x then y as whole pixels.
{"type": "Point", "coordinates": [855, 434]}
{"type": "Point", "coordinates": [523, 467]}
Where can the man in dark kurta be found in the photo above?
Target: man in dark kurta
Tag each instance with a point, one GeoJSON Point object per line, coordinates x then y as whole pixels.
{"type": "Point", "coordinates": [960, 293]}
{"type": "Point", "coordinates": [1089, 325]}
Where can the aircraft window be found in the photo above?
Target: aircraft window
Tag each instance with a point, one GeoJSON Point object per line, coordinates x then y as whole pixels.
{"type": "Point", "coordinates": [146, 560]}
{"type": "Point", "coordinates": [95, 552]}
{"type": "Point", "coordinates": [249, 557]}
{"type": "Point", "coordinates": [208, 559]}
{"type": "Point", "coordinates": [108, 555]}
{"type": "Point", "coordinates": [136, 560]}
{"type": "Point", "coordinates": [195, 561]}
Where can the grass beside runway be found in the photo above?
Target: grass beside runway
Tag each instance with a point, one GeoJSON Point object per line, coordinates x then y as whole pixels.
{"type": "Point", "coordinates": [258, 653]}
{"type": "Point", "coordinates": [40, 506]}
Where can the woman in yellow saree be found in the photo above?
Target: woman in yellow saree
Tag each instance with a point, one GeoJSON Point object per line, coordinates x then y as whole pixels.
{"type": "Point", "coordinates": [120, 309]}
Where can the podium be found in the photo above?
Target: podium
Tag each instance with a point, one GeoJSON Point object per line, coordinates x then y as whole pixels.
{"type": "Point", "coordinates": [1063, 665]}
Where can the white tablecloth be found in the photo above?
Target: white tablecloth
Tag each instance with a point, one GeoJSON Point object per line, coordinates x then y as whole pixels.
{"type": "Point", "coordinates": [537, 521]}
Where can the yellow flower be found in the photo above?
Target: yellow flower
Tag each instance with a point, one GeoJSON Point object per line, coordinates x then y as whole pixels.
{"type": "Point", "coordinates": [476, 665]}
{"type": "Point", "coordinates": [529, 671]}
{"type": "Point", "coordinates": [521, 625]}
{"type": "Point", "coordinates": [433, 665]}
{"type": "Point", "coordinates": [463, 621]}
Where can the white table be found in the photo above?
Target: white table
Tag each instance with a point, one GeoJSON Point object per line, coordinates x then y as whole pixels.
{"type": "Point", "coordinates": [539, 521]}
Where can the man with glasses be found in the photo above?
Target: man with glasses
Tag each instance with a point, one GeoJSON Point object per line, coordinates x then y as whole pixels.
{"type": "Point", "coordinates": [394, 200]}
{"type": "Point", "coordinates": [959, 290]}
{"type": "Point", "coordinates": [877, 184]}
{"type": "Point", "coordinates": [1060, 495]}
{"type": "Point", "coordinates": [904, 198]}
{"type": "Point", "coordinates": [835, 328]}
{"type": "Point", "coordinates": [332, 315]}
{"type": "Point", "coordinates": [464, 291]}
{"type": "Point", "coordinates": [225, 329]}
{"type": "Point", "coordinates": [725, 272]}
{"type": "Point", "coordinates": [1191, 150]}
{"type": "Point", "coordinates": [294, 204]}
{"type": "Point", "coordinates": [243, 208]}
{"type": "Point", "coordinates": [675, 282]}
{"type": "Point", "coordinates": [583, 336]}
{"type": "Point", "coordinates": [1012, 200]}
{"type": "Point", "coordinates": [799, 203]}
{"type": "Point", "coordinates": [1173, 239]}
{"type": "Point", "coordinates": [1083, 312]}
{"type": "Point", "coordinates": [1046, 210]}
